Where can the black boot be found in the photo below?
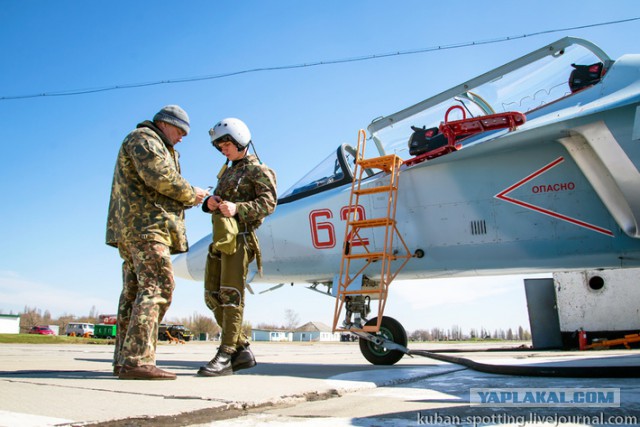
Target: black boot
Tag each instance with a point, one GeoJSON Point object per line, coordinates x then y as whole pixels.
{"type": "Point", "coordinates": [219, 365]}
{"type": "Point", "coordinates": [243, 359]}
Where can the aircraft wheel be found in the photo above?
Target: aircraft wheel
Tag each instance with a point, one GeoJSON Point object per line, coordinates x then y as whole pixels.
{"type": "Point", "coordinates": [390, 329]}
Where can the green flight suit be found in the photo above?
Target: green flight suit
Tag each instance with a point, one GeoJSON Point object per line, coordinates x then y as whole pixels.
{"type": "Point", "coordinates": [251, 185]}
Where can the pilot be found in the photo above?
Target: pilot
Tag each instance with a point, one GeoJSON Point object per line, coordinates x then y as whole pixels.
{"type": "Point", "coordinates": [244, 196]}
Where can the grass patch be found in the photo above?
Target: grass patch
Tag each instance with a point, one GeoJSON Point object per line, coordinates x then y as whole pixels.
{"type": "Point", "coordinates": [49, 339]}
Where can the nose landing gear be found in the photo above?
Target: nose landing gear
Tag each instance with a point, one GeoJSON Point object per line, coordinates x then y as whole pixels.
{"type": "Point", "coordinates": [385, 347]}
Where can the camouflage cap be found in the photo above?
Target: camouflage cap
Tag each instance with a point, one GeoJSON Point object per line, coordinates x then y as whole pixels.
{"type": "Point", "coordinates": [174, 115]}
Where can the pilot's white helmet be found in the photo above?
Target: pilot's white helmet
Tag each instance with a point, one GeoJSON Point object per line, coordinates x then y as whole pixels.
{"type": "Point", "coordinates": [230, 129]}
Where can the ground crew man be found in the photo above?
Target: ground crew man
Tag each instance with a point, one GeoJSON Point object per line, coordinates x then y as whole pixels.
{"type": "Point", "coordinates": [146, 224]}
{"type": "Point", "coordinates": [244, 196]}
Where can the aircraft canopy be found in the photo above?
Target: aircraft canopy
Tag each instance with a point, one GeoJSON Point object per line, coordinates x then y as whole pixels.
{"type": "Point", "coordinates": [527, 85]}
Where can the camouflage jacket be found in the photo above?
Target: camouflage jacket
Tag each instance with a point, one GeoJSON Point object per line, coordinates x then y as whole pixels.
{"type": "Point", "coordinates": [251, 185]}
{"type": "Point", "coordinates": [148, 194]}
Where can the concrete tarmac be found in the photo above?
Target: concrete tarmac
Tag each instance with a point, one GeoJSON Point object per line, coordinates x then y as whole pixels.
{"type": "Point", "coordinates": [311, 384]}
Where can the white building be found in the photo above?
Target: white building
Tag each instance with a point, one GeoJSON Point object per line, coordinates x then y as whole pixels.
{"type": "Point", "coordinates": [270, 335]}
{"type": "Point", "coordinates": [9, 323]}
{"type": "Point", "coordinates": [315, 331]}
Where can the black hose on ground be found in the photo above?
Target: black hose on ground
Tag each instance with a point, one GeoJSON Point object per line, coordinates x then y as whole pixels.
{"type": "Point", "coordinates": [536, 371]}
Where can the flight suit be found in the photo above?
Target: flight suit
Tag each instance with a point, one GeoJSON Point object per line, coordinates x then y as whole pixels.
{"type": "Point", "coordinates": [251, 185]}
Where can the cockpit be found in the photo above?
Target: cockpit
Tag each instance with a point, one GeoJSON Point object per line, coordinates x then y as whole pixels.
{"type": "Point", "coordinates": [334, 171]}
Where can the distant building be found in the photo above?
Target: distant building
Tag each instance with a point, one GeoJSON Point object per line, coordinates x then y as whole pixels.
{"type": "Point", "coordinates": [315, 331]}
{"type": "Point", "coordinates": [9, 323]}
{"type": "Point", "coordinates": [270, 335]}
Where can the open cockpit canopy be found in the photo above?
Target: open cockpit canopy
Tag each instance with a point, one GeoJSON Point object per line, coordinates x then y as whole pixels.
{"type": "Point", "coordinates": [530, 85]}
{"type": "Point", "coordinates": [480, 109]}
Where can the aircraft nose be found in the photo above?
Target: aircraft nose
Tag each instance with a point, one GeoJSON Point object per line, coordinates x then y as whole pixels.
{"type": "Point", "coordinates": [181, 267]}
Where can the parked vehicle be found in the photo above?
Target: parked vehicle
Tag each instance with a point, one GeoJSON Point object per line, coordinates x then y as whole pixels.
{"type": "Point", "coordinates": [175, 331]}
{"type": "Point", "coordinates": [103, 330]}
{"type": "Point", "coordinates": [108, 319]}
{"type": "Point", "coordinates": [80, 329]}
{"type": "Point", "coordinates": [41, 330]}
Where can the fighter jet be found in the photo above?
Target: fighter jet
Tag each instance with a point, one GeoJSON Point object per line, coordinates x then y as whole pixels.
{"type": "Point", "coordinates": [531, 167]}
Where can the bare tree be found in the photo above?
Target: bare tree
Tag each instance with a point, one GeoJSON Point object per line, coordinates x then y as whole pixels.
{"type": "Point", "coordinates": [30, 317]}
{"type": "Point", "coordinates": [269, 326]}
{"type": "Point", "coordinates": [456, 333]}
{"type": "Point", "coordinates": [93, 315]}
{"type": "Point", "coordinates": [63, 321]}
{"type": "Point", "coordinates": [420, 335]}
{"type": "Point", "coordinates": [201, 324]}
{"type": "Point", "coordinates": [509, 334]}
{"type": "Point", "coordinates": [292, 320]}
{"type": "Point", "coordinates": [196, 323]}
{"type": "Point", "coordinates": [437, 334]}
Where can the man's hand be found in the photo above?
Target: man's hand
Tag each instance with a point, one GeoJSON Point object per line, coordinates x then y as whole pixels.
{"type": "Point", "coordinates": [200, 195]}
{"type": "Point", "coordinates": [213, 202]}
{"type": "Point", "coordinates": [228, 209]}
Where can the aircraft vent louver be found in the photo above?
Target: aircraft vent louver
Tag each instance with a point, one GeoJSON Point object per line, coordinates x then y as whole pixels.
{"type": "Point", "coordinates": [478, 227]}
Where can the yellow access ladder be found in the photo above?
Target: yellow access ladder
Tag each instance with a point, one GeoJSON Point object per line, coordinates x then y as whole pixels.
{"type": "Point", "coordinates": [356, 246]}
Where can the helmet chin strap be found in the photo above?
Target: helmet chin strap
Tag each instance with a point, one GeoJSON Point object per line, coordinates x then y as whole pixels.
{"type": "Point", "coordinates": [254, 150]}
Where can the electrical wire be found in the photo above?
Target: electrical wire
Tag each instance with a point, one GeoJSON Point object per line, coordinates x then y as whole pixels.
{"type": "Point", "coordinates": [73, 92]}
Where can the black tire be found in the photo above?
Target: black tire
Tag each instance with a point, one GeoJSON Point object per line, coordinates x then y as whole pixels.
{"type": "Point", "coordinates": [390, 329]}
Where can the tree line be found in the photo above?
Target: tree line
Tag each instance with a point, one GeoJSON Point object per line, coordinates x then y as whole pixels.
{"type": "Point", "coordinates": [200, 324]}
{"type": "Point", "coordinates": [455, 333]}
{"type": "Point", "coordinates": [31, 316]}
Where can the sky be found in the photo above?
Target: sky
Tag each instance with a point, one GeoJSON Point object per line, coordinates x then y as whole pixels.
{"type": "Point", "coordinates": [60, 147]}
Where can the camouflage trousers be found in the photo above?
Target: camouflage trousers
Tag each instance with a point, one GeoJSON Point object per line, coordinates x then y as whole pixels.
{"type": "Point", "coordinates": [147, 277]}
{"type": "Point", "coordinates": [224, 281]}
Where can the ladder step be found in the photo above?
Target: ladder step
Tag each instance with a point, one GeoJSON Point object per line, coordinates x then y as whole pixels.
{"type": "Point", "coordinates": [386, 163]}
{"type": "Point", "coordinates": [362, 291]}
{"type": "Point", "coordinates": [373, 255]}
{"type": "Point", "coordinates": [373, 222]}
{"type": "Point", "coordinates": [373, 190]}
